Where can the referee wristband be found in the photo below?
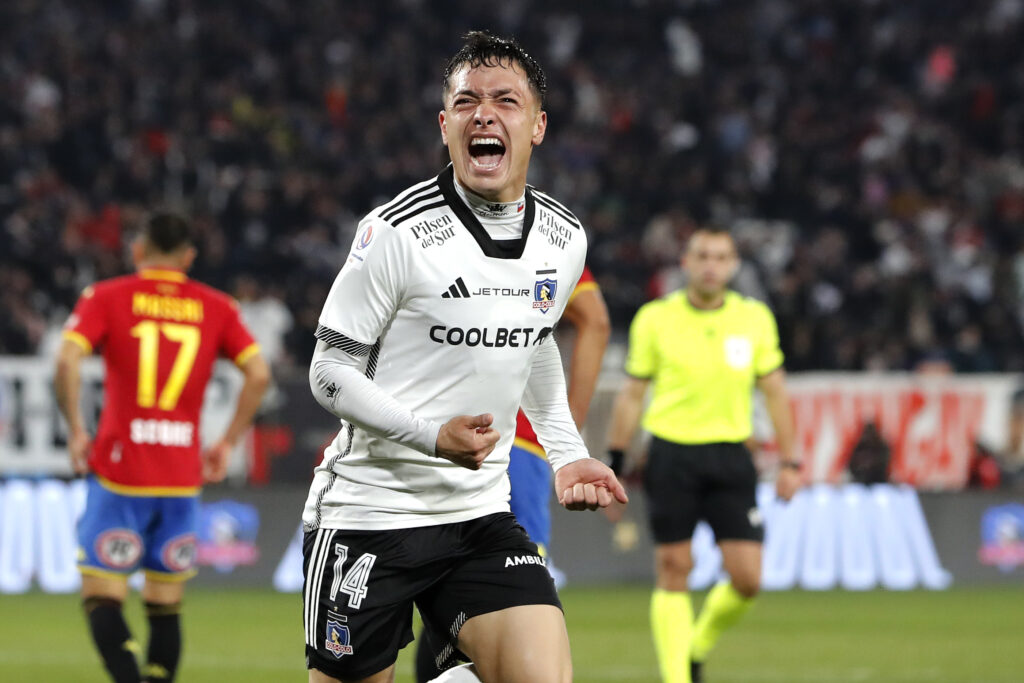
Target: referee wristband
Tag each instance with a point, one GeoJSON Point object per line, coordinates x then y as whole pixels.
{"type": "Point", "coordinates": [616, 459]}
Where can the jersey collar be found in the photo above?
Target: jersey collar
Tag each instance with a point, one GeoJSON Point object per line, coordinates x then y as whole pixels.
{"type": "Point", "coordinates": [504, 249]}
{"type": "Point", "coordinates": [705, 311]}
{"type": "Point", "coordinates": [167, 274]}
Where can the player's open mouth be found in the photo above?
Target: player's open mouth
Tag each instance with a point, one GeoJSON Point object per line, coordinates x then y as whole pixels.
{"type": "Point", "coordinates": [486, 152]}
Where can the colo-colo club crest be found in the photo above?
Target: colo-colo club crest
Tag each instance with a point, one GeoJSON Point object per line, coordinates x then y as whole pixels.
{"type": "Point", "coordinates": [544, 291]}
{"type": "Point", "coordinates": [338, 636]}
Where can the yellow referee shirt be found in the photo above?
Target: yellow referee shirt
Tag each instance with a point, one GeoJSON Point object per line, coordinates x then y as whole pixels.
{"type": "Point", "coordinates": [703, 365]}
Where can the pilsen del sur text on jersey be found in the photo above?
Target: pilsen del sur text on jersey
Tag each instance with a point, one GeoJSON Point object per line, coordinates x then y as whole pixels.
{"type": "Point", "coordinates": [429, 231]}
{"type": "Point", "coordinates": [558, 233]}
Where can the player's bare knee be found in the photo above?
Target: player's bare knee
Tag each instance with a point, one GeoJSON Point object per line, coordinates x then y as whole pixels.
{"type": "Point", "coordinates": [559, 672]}
{"type": "Point", "coordinates": [673, 567]}
{"type": "Point", "coordinates": [747, 584]}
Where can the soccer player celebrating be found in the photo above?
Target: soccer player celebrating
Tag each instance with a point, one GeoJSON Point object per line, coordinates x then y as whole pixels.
{"type": "Point", "coordinates": [160, 334]}
{"type": "Point", "coordinates": [528, 471]}
{"type": "Point", "coordinates": [703, 349]}
{"type": "Point", "coordinates": [437, 328]}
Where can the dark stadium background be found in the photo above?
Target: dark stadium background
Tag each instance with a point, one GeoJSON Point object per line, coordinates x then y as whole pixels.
{"type": "Point", "coordinates": [868, 155]}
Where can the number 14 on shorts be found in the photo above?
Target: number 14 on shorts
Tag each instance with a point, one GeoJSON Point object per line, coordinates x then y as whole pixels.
{"type": "Point", "coordinates": [353, 583]}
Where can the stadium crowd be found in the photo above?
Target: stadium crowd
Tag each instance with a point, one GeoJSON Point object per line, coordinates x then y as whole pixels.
{"type": "Point", "coordinates": [867, 154]}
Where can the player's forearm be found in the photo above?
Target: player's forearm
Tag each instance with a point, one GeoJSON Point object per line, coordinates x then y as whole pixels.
{"type": "Point", "coordinates": [344, 391]}
{"type": "Point", "coordinates": [585, 369]}
{"type": "Point", "coordinates": [257, 379]}
{"type": "Point", "coordinates": [626, 413]}
{"type": "Point", "coordinates": [1016, 432]}
{"type": "Point", "coordinates": [67, 388]}
{"type": "Point", "coordinates": [781, 415]}
{"type": "Point", "coordinates": [547, 407]}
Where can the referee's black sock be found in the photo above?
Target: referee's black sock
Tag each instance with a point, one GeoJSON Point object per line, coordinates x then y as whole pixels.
{"type": "Point", "coordinates": [112, 638]}
{"type": "Point", "coordinates": [164, 641]}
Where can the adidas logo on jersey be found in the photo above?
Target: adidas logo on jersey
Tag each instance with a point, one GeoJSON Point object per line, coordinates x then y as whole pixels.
{"type": "Point", "coordinates": [456, 291]}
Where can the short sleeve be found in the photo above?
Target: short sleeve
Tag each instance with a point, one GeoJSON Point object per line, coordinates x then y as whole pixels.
{"type": "Point", "coordinates": [769, 356]}
{"type": "Point", "coordinates": [585, 284]}
{"type": "Point", "coordinates": [87, 325]}
{"type": "Point", "coordinates": [368, 290]}
{"type": "Point", "coordinates": [237, 342]}
{"type": "Point", "coordinates": [642, 358]}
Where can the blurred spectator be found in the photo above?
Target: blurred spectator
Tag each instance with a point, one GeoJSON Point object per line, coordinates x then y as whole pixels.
{"type": "Point", "coordinates": [1011, 460]}
{"type": "Point", "coordinates": [266, 316]}
{"type": "Point", "coordinates": [867, 154]}
{"type": "Point", "coordinates": [869, 459]}
{"type": "Point", "coordinates": [983, 469]}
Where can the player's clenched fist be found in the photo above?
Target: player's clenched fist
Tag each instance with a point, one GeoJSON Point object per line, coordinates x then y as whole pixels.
{"type": "Point", "coordinates": [588, 484]}
{"type": "Point", "coordinates": [215, 461]}
{"type": "Point", "coordinates": [78, 447]}
{"type": "Point", "coordinates": [467, 439]}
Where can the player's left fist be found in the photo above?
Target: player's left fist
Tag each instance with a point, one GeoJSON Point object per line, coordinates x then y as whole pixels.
{"type": "Point", "coordinates": [78, 447]}
{"type": "Point", "coordinates": [215, 462]}
{"type": "Point", "coordinates": [788, 482]}
{"type": "Point", "coordinates": [588, 484]}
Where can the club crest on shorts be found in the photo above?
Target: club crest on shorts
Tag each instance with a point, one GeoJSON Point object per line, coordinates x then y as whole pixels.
{"type": "Point", "coordinates": [179, 554]}
{"type": "Point", "coordinates": [338, 638]}
{"type": "Point", "coordinates": [544, 294]}
{"type": "Point", "coordinates": [119, 548]}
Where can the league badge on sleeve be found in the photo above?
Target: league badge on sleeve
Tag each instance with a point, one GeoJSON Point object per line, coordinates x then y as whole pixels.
{"type": "Point", "coordinates": [338, 637]}
{"type": "Point", "coordinates": [544, 292]}
{"type": "Point", "coordinates": [362, 242]}
{"type": "Point", "coordinates": [365, 237]}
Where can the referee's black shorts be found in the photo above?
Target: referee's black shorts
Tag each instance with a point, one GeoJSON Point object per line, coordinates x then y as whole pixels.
{"type": "Point", "coordinates": [716, 482]}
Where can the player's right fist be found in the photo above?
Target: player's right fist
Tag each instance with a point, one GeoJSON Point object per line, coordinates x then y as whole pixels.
{"type": "Point", "coordinates": [466, 440]}
{"type": "Point", "coordinates": [78, 448]}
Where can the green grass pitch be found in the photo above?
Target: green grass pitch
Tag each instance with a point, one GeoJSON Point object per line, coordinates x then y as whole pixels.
{"type": "Point", "coordinates": [957, 636]}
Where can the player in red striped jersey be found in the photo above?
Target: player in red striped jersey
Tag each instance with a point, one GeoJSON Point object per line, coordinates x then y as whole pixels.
{"type": "Point", "coordinates": [160, 334]}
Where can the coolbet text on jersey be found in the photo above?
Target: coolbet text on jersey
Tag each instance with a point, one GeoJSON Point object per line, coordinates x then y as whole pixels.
{"type": "Point", "coordinates": [415, 292]}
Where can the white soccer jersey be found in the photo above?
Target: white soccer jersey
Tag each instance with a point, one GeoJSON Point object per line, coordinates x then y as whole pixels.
{"type": "Point", "coordinates": [449, 321]}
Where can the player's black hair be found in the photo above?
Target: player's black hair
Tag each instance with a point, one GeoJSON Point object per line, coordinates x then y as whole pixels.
{"type": "Point", "coordinates": [168, 232]}
{"type": "Point", "coordinates": [484, 49]}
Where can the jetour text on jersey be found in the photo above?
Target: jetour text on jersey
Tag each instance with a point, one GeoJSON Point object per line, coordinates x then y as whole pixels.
{"type": "Point", "coordinates": [498, 338]}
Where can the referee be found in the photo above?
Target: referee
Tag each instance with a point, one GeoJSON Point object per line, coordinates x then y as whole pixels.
{"type": "Point", "coordinates": [703, 349]}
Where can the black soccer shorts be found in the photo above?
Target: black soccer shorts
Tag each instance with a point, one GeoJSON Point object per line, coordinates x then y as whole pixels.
{"type": "Point", "coordinates": [360, 587]}
{"type": "Point", "coordinates": [715, 482]}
